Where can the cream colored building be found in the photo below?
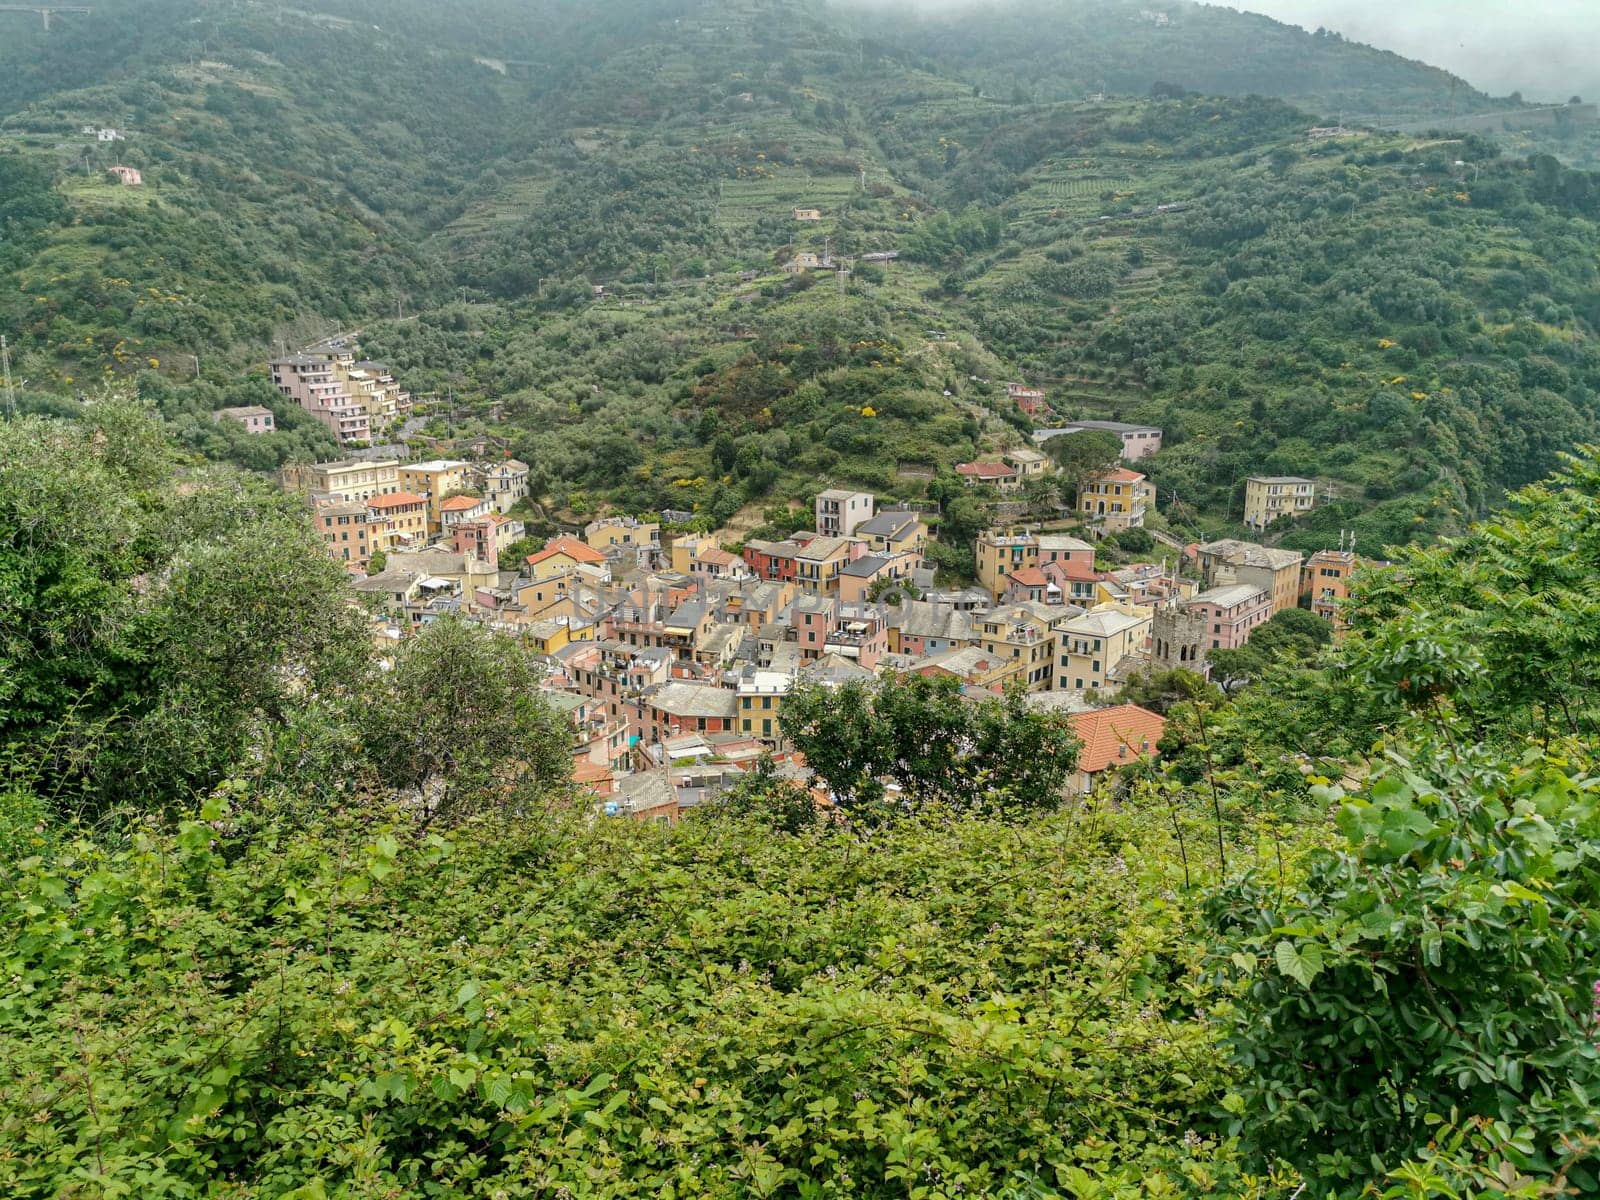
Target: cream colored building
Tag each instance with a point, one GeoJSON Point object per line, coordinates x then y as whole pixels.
{"type": "Point", "coordinates": [1268, 497]}
{"type": "Point", "coordinates": [1090, 646]}
{"type": "Point", "coordinates": [349, 479]}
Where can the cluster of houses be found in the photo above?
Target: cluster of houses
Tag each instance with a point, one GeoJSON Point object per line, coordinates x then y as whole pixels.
{"type": "Point", "coordinates": [363, 508]}
{"type": "Point", "coordinates": [356, 400]}
{"type": "Point", "coordinates": [672, 655]}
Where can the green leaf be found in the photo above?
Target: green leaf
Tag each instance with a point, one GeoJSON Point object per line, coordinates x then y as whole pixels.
{"type": "Point", "coordinates": [1302, 965]}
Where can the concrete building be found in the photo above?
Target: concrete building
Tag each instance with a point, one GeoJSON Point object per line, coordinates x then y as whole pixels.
{"type": "Point", "coordinates": [999, 554]}
{"type": "Point", "coordinates": [315, 383]}
{"type": "Point", "coordinates": [839, 511]}
{"type": "Point", "coordinates": [1268, 497]}
{"type": "Point", "coordinates": [1277, 572]}
{"type": "Point", "coordinates": [434, 481]}
{"type": "Point", "coordinates": [1325, 581]}
{"type": "Point", "coordinates": [503, 484]}
{"type": "Point", "coordinates": [345, 530]}
{"type": "Point", "coordinates": [1090, 646]}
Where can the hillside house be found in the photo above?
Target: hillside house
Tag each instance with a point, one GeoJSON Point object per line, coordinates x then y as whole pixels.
{"type": "Point", "coordinates": [1114, 500]}
{"type": "Point", "coordinates": [253, 417]}
{"type": "Point", "coordinates": [1092, 645]}
{"type": "Point", "coordinates": [434, 481]}
{"type": "Point", "coordinates": [839, 511]}
{"type": "Point", "coordinates": [1276, 572]}
{"type": "Point", "coordinates": [399, 521]}
{"type": "Point", "coordinates": [457, 509]}
{"type": "Point", "coordinates": [1030, 400]}
{"type": "Point", "coordinates": [1325, 581]}
{"type": "Point", "coordinates": [344, 479]}
{"type": "Point", "coordinates": [1114, 737]}
{"type": "Point", "coordinates": [1268, 497]}
{"type": "Point", "coordinates": [895, 533]}
{"type": "Point", "coordinates": [126, 176]}
{"type": "Point", "coordinates": [1028, 464]}
{"type": "Point", "coordinates": [1231, 613]}
{"type": "Point", "coordinates": [995, 474]}
{"type": "Point", "coordinates": [345, 530]}
{"type": "Point", "coordinates": [1001, 553]}
{"type": "Point", "coordinates": [808, 214]}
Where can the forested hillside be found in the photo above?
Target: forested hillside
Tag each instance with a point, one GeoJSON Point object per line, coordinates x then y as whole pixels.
{"type": "Point", "coordinates": [1406, 319]}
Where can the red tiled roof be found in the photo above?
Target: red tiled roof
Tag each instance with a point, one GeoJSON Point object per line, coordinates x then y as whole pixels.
{"type": "Point", "coordinates": [395, 500]}
{"type": "Point", "coordinates": [460, 504]}
{"type": "Point", "coordinates": [1120, 475]}
{"type": "Point", "coordinates": [1030, 577]}
{"type": "Point", "coordinates": [1112, 736]}
{"type": "Point", "coordinates": [574, 549]}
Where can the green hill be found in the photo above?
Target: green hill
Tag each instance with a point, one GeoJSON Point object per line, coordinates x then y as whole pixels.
{"type": "Point", "coordinates": [455, 182]}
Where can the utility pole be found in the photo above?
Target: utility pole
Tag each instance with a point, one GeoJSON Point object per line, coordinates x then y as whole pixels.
{"type": "Point", "coordinates": [5, 363]}
{"type": "Point", "coordinates": [196, 358]}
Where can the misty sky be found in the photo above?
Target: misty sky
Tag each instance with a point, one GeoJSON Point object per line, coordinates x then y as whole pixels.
{"type": "Point", "coordinates": [1546, 49]}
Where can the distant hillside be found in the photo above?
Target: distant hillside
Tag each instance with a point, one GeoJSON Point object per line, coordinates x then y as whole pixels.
{"type": "Point", "coordinates": [1068, 49]}
{"type": "Point", "coordinates": [1407, 318]}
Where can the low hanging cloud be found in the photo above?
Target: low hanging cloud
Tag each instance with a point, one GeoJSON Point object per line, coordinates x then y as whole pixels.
{"type": "Point", "coordinates": [1541, 48]}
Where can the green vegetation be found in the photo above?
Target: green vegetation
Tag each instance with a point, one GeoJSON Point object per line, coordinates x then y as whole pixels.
{"type": "Point", "coordinates": [368, 943]}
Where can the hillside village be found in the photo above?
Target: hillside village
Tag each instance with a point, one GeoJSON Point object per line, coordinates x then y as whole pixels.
{"type": "Point", "coordinates": [671, 651]}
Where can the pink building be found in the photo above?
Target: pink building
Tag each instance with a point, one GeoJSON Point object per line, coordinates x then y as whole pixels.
{"type": "Point", "coordinates": [127, 176]}
{"type": "Point", "coordinates": [813, 619]}
{"type": "Point", "coordinates": [486, 537]}
{"type": "Point", "coordinates": [313, 382]}
{"type": "Point", "coordinates": [861, 634]}
{"type": "Point", "coordinates": [1230, 614]}
{"type": "Point", "coordinates": [253, 417]}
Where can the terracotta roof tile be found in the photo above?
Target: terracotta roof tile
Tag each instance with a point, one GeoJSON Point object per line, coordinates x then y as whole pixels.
{"type": "Point", "coordinates": [1112, 736]}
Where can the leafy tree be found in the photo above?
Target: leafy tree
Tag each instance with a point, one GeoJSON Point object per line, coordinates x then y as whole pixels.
{"type": "Point", "coordinates": [922, 738]}
{"type": "Point", "coordinates": [1081, 456]}
{"type": "Point", "coordinates": [1160, 691]}
{"type": "Point", "coordinates": [459, 722]}
{"type": "Point", "coordinates": [764, 796]}
{"type": "Point", "coordinates": [1439, 959]}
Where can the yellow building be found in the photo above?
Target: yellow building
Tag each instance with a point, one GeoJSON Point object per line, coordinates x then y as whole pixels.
{"type": "Point", "coordinates": [399, 520]}
{"type": "Point", "coordinates": [350, 480]}
{"type": "Point", "coordinates": [999, 554]}
{"type": "Point", "coordinates": [1115, 500]}
{"type": "Point", "coordinates": [563, 556]}
{"type": "Point", "coordinates": [434, 481]}
{"type": "Point", "coordinates": [761, 696]}
{"type": "Point", "coordinates": [1020, 636]}
{"type": "Point", "coordinates": [1268, 497]}
{"type": "Point", "coordinates": [621, 531]}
